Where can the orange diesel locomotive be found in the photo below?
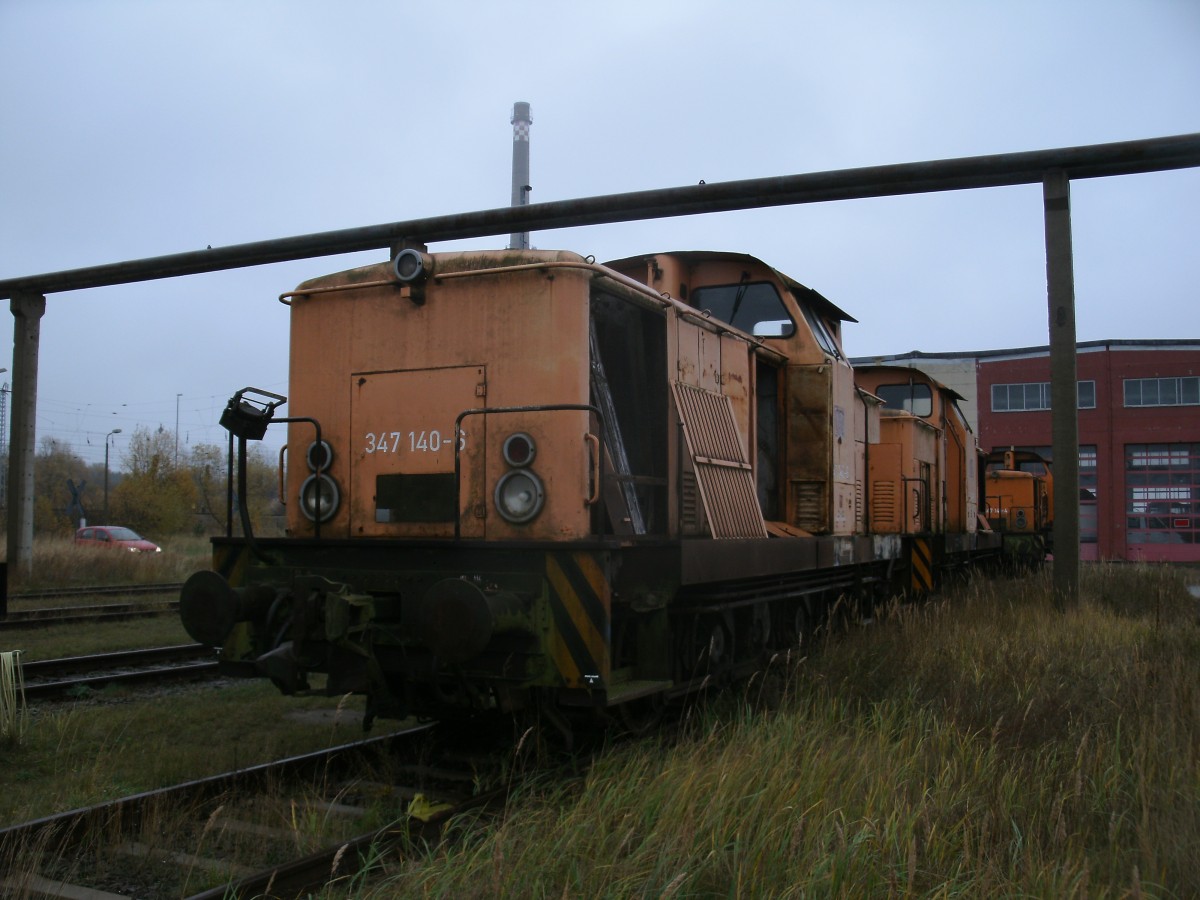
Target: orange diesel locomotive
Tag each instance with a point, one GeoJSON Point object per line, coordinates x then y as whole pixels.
{"type": "Point", "coordinates": [1019, 497]}
{"type": "Point", "coordinates": [524, 480]}
{"type": "Point", "coordinates": [923, 477]}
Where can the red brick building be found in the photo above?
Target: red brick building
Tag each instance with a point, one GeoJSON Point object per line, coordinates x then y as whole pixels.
{"type": "Point", "coordinates": [1139, 434]}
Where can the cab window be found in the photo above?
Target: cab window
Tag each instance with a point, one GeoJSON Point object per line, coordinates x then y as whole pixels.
{"type": "Point", "coordinates": [913, 398]}
{"type": "Point", "coordinates": [821, 332]}
{"type": "Point", "coordinates": [753, 307]}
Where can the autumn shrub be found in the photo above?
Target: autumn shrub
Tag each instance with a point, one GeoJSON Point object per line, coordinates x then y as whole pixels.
{"type": "Point", "coordinates": [153, 486]}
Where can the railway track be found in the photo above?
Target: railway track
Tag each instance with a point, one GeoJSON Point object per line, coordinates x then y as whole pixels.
{"type": "Point", "coordinates": [54, 679]}
{"type": "Point", "coordinates": [73, 615]}
{"type": "Point", "coordinates": [103, 590]}
{"type": "Point", "coordinates": [235, 834]}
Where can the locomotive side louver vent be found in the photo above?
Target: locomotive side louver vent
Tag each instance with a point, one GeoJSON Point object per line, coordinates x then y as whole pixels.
{"type": "Point", "coordinates": [883, 506]}
{"type": "Point", "coordinates": [723, 475]}
{"type": "Point", "coordinates": [808, 506]}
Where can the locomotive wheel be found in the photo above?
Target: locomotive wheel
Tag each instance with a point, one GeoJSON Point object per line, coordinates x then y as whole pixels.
{"type": "Point", "coordinates": [760, 629]}
{"type": "Point", "coordinates": [714, 646]}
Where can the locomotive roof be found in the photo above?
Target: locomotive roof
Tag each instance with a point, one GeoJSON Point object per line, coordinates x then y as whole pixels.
{"type": "Point", "coordinates": [908, 370]}
{"type": "Point", "coordinates": [822, 304]}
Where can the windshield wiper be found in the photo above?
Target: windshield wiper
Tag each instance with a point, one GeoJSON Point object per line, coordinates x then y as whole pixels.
{"type": "Point", "coordinates": [743, 285]}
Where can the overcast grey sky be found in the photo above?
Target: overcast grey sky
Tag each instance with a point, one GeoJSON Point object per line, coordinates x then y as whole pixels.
{"type": "Point", "coordinates": [134, 128]}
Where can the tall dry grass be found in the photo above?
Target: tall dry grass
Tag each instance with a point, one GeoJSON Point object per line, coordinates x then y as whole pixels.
{"type": "Point", "coordinates": [978, 745]}
{"type": "Point", "coordinates": [58, 562]}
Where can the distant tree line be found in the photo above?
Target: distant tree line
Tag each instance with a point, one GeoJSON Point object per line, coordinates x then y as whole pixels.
{"type": "Point", "coordinates": [149, 490]}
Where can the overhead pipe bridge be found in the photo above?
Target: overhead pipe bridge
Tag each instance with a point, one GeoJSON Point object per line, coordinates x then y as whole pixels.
{"type": "Point", "coordinates": [1053, 169]}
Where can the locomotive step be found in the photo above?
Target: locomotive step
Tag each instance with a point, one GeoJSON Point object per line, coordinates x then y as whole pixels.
{"type": "Point", "coordinates": [634, 690]}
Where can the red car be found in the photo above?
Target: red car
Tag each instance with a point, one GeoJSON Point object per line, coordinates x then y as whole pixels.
{"type": "Point", "coordinates": [115, 536]}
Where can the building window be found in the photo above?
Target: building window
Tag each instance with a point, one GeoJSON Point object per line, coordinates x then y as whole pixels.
{"type": "Point", "coordinates": [1088, 493]}
{"type": "Point", "coordinates": [1162, 492]}
{"type": "Point", "coordinates": [1036, 395]}
{"type": "Point", "coordinates": [1163, 391]}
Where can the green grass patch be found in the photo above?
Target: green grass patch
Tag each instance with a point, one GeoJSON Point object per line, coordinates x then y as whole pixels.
{"type": "Point", "coordinates": [104, 637]}
{"type": "Point", "coordinates": [119, 743]}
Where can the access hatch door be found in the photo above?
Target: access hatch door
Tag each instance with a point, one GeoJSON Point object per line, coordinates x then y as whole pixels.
{"type": "Point", "coordinates": [403, 482]}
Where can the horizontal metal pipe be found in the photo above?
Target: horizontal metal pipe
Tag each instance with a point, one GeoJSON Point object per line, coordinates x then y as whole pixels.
{"type": "Point", "coordinates": [1091, 161]}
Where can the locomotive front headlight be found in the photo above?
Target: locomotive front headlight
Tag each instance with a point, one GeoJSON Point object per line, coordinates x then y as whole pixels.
{"type": "Point", "coordinates": [410, 265]}
{"type": "Point", "coordinates": [519, 496]}
{"type": "Point", "coordinates": [319, 498]}
{"type": "Point", "coordinates": [320, 456]}
{"type": "Point", "coordinates": [519, 449]}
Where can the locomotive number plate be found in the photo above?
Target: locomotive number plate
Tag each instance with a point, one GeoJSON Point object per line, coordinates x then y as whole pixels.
{"type": "Point", "coordinates": [412, 441]}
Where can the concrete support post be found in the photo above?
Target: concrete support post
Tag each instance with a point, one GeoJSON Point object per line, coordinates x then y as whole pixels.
{"type": "Point", "coordinates": [27, 310]}
{"type": "Point", "coordinates": [1060, 283]}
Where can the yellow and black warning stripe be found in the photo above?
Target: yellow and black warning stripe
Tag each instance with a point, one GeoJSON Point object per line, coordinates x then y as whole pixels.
{"type": "Point", "coordinates": [230, 562]}
{"type": "Point", "coordinates": [921, 554]}
{"type": "Point", "coordinates": [579, 604]}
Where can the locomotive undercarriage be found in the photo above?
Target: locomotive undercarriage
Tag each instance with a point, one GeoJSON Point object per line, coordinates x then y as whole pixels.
{"type": "Point", "coordinates": [580, 631]}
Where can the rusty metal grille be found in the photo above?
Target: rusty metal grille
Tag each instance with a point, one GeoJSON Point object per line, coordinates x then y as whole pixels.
{"type": "Point", "coordinates": [808, 506]}
{"type": "Point", "coordinates": [723, 475]}
{"type": "Point", "coordinates": [883, 505]}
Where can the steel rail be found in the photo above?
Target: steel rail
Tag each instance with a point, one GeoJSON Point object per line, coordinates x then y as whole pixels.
{"type": "Point", "coordinates": [97, 590]}
{"type": "Point", "coordinates": [52, 833]}
{"type": "Point", "coordinates": [65, 665]}
{"type": "Point", "coordinates": [309, 874]}
{"type": "Point", "coordinates": [64, 832]}
{"type": "Point", "coordinates": [73, 615]}
{"type": "Point", "coordinates": [50, 690]}
{"type": "Point", "coordinates": [1088, 161]}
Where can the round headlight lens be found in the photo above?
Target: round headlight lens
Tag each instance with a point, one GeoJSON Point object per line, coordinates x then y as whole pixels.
{"type": "Point", "coordinates": [519, 449]}
{"type": "Point", "coordinates": [319, 497]}
{"type": "Point", "coordinates": [408, 266]}
{"type": "Point", "coordinates": [519, 496]}
{"type": "Point", "coordinates": [320, 456]}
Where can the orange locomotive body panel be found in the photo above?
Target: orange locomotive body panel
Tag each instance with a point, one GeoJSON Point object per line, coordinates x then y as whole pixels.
{"type": "Point", "coordinates": [388, 376]}
{"type": "Point", "coordinates": [1016, 501]}
{"type": "Point", "coordinates": [1019, 492]}
{"type": "Point", "coordinates": [900, 476]}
